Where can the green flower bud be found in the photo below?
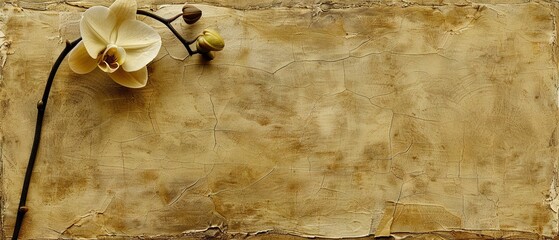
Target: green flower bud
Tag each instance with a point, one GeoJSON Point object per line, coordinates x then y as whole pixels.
{"type": "Point", "coordinates": [209, 40]}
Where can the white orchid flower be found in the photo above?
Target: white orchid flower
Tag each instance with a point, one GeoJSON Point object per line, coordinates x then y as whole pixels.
{"type": "Point", "coordinates": [117, 43]}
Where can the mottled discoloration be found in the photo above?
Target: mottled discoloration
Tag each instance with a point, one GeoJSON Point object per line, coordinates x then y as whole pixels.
{"type": "Point", "coordinates": [339, 119]}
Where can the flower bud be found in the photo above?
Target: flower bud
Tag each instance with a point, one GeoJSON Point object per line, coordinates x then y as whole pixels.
{"type": "Point", "coordinates": [191, 14]}
{"type": "Point", "coordinates": [209, 40]}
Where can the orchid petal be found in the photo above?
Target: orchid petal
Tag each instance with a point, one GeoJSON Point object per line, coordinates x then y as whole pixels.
{"type": "Point", "coordinates": [96, 27]}
{"type": "Point", "coordinates": [112, 58]}
{"type": "Point", "coordinates": [108, 68]}
{"type": "Point", "coordinates": [136, 79]}
{"type": "Point", "coordinates": [124, 10]}
{"type": "Point", "coordinates": [141, 43]}
{"type": "Point", "coordinates": [80, 61]}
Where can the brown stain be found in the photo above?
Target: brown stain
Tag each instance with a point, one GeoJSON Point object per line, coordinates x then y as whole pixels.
{"type": "Point", "coordinates": [360, 77]}
{"type": "Point", "coordinates": [224, 207]}
{"type": "Point", "coordinates": [540, 217]}
{"type": "Point", "coordinates": [59, 182]}
{"type": "Point", "coordinates": [415, 137]}
{"type": "Point", "coordinates": [298, 147]}
{"type": "Point", "coordinates": [250, 211]}
{"type": "Point", "coordinates": [375, 21]}
{"type": "Point", "coordinates": [334, 160]}
{"type": "Point", "coordinates": [536, 172]}
{"type": "Point", "coordinates": [435, 171]}
{"type": "Point", "coordinates": [61, 187]}
{"type": "Point", "coordinates": [376, 151]}
{"type": "Point", "coordinates": [256, 102]}
{"type": "Point", "coordinates": [482, 162]}
{"type": "Point", "coordinates": [540, 19]}
{"type": "Point", "coordinates": [278, 139]}
{"type": "Point", "coordinates": [374, 159]}
{"type": "Point", "coordinates": [149, 176]}
{"type": "Point", "coordinates": [420, 186]}
{"type": "Point", "coordinates": [14, 24]}
{"type": "Point", "coordinates": [115, 216]}
{"type": "Point", "coordinates": [425, 16]}
{"type": "Point", "coordinates": [471, 208]}
{"type": "Point", "coordinates": [4, 104]}
{"type": "Point", "coordinates": [164, 193]}
{"type": "Point", "coordinates": [461, 16]}
{"type": "Point", "coordinates": [263, 120]}
{"type": "Point", "coordinates": [244, 53]}
{"type": "Point", "coordinates": [358, 179]}
{"type": "Point", "coordinates": [236, 177]}
{"type": "Point", "coordinates": [284, 30]}
{"type": "Point", "coordinates": [235, 224]}
{"type": "Point", "coordinates": [294, 186]}
{"type": "Point", "coordinates": [452, 189]}
{"type": "Point", "coordinates": [328, 20]}
{"type": "Point", "coordinates": [194, 123]}
{"type": "Point", "coordinates": [486, 188]}
{"type": "Point", "coordinates": [436, 21]}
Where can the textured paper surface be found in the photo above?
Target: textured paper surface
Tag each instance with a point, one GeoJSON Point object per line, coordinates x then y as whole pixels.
{"type": "Point", "coordinates": [338, 119]}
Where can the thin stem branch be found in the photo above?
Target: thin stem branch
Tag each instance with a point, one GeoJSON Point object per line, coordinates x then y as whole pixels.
{"type": "Point", "coordinates": [174, 18]}
{"type": "Point", "coordinates": [167, 23]}
{"type": "Point", "coordinates": [42, 104]}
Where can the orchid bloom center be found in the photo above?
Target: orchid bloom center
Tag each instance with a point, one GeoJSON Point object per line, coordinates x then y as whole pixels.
{"type": "Point", "coordinates": [111, 58]}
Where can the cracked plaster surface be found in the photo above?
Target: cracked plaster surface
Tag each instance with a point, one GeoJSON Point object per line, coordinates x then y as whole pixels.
{"type": "Point", "coordinates": [343, 121]}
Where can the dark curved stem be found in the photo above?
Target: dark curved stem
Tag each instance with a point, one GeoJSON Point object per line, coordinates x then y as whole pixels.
{"type": "Point", "coordinates": [41, 106]}
{"type": "Point", "coordinates": [174, 18]}
{"type": "Point", "coordinates": [167, 23]}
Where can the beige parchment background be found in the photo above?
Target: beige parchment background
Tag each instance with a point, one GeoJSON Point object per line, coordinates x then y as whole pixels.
{"type": "Point", "coordinates": [329, 119]}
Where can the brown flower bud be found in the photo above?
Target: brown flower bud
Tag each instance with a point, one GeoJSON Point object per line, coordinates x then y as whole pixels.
{"type": "Point", "coordinates": [191, 14]}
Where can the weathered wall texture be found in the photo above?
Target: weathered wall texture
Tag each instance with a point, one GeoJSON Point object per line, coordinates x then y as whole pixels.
{"type": "Point", "coordinates": [329, 120]}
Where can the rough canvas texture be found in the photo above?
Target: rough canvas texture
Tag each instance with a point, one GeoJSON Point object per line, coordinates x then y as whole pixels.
{"type": "Point", "coordinates": [348, 119]}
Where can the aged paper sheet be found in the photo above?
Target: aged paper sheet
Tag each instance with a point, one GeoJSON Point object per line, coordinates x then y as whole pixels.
{"type": "Point", "coordinates": [336, 119]}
